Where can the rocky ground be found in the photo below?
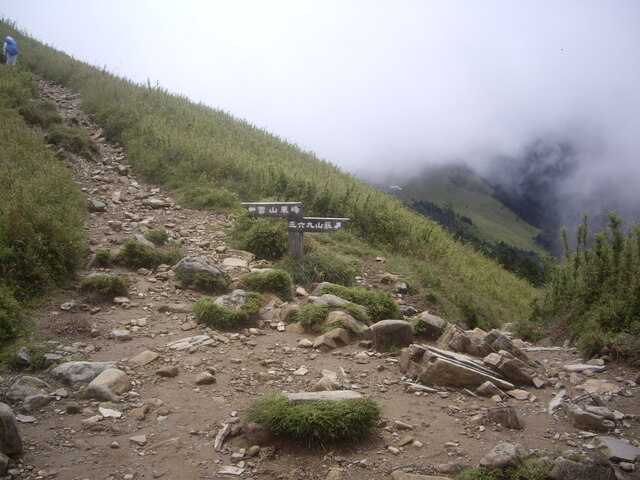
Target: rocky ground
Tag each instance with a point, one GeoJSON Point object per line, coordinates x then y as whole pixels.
{"type": "Point", "coordinates": [176, 386]}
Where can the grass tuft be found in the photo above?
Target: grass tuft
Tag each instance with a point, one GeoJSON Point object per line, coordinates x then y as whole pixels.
{"type": "Point", "coordinates": [103, 287]}
{"type": "Point", "coordinates": [277, 282]}
{"type": "Point", "coordinates": [224, 318]}
{"type": "Point", "coordinates": [317, 267]}
{"type": "Point", "coordinates": [137, 255]}
{"type": "Point", "coordinates": [379, 305]}
{"type": "Point", "coordinates": [316, 422]}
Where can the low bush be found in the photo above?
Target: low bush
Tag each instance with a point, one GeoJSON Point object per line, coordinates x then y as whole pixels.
{"type": "Point", "coordinates": [216, 316]}
{"type": "Point", "coordinates": [11, 314]}
{"type": "Point", "coordinates": [277, 282]}
{"type": "Point", "coordinates": [379, 305]}
{"type": "Point", "coordinates": [137, 255]}
{"type": "Point", "coordinates": [158, 236]}
{"type": "Point", "coordinates": [318, 267]}
{"type": "Point", "coordinates": [102, 287]}
{"type": "Point", "coordinates": [203, 282]}
{"type": "Point", "coordinates": [73, 140]}
{"type": "Point", "coordinates": [267, 238]}
{"type": "Point", "coordinates": [318, 421]}
{"type": "Point", "coordinates": [534, 468]}
{"type": "Point", "coordinates": [42, 114]}
{"type": "Point", "coordinates": [104, 258]}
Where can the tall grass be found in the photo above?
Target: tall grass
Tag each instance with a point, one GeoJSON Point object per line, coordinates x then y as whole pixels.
{"type": "Point", "coordinates": [215, 160]}
{"type": "Point", "coordinates": [595, 291]}
{"type": "Point", "coordinates": [41, 209]}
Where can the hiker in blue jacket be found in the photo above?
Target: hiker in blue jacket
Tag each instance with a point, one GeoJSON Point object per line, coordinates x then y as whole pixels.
{"type": "Point", "coordinates": [10, 50]}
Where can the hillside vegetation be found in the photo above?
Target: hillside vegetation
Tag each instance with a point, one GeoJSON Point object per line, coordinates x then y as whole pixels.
{"type": "Point", "coordinates": [595, 292]}
{"type": "Point", "coordinates": [213, 161]}
{"type": "Point", "coordinates": [41, 207]}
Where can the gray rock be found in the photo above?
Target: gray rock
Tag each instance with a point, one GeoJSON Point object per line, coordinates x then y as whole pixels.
{"type": "Point", "coordinates": [591, 469]}
{"type": "Point", "coordinates": [80, 372]}
{"type": "Point", "coordinates": [388, 333]}
{"type": "Point", "coordinates": [108, 385]}
{"type": "Point", "coordinates": [504, 455]}
{"type": "Point", "coordinates": [510, 417]}
{"type": "Point", "coordinates": [512, 368]}
{"type": "Point", "coordinates": [51, 359]}
{"type": "Point", "coordinates": [330, 396]}
{"type": "Point", "coordinates": [590, 421]}
{"type": "Point", "coordinates": [35, 402]}
{"type": "Point", "coordinates": [234, 301]}
{"type": "Point", "coordinates": [23, 357]}
{"type": "Point", "coordinates": [168, 372]}
{"type": "Point", "coordinates": [499, 341]}
{"type": "Point", "coordinates": [144, 358]}
{"type": "Point", "coordinates": [619, 451]}
{"type": "Point", "coordinates": [205, 378]}
{"type": "Point", "coordinates": [10, 440]}
{"type": "Point", "coordinates": [26, 386]}
{"type": "Point", "coordinates": [191, 266]}
{"type": "Point", "coordinates": [338, 337]}
{"type": "Point", "coordinates": [583, 367]}
{"type": "Point", "coordinates": [154, 203]}
{"type": "Point", "coordinates": [143, 240]}
{"type": "Point", "coordinates": [319, 287]}
{"type": "Point", "coordinates": [4, 464]}
{"type": "Point", "coordinates": [338, 316]}
{"type": "Point", "coordinates": [454, 339]}
{"type": "Point", "coordinates": [488, 389]}
{"type": "Point", "coordinates": [408, 310]}
{"type": "Point", "coordinates": [96, 206]}
{"type": "Point", "coordinates": [431, 325]}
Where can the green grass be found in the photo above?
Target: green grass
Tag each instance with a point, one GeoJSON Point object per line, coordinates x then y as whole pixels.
{"type": "Point", "coordinates": [203, 282]}
{"type": "Point", "coordinates": [213, 160]}
{"type": "Point", "coordinates": [316, 422]}
{"type": "Point", "coordinates": [103, 287]}
{"type": "Point", "coordinates": [277, 282]}
{"type": "Point", "coordinates": [267, 238]}
{"type": "Point", "coordinates": [36, 353]}
{"type": "Point", "coordinates": [380, 305]}
{"type": "Point", "coordinates": [223, 318]}
{"type": "Point", "coordinates": [157, 236]}
{"type": "Point", "coordinates": [137, 255]}
{"type": "Point", "coordinates": [319, 266]}
{"type": "Point", "coordinates": [73, 140]}
{"type": "Point", "coordinates": [534, 468]}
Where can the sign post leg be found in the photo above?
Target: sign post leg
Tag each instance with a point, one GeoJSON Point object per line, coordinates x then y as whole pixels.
{"type": "Point", "coordinates": [296, 244]}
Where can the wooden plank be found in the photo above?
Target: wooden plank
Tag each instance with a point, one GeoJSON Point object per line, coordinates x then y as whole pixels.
{"type": "Point", "coordinates": [296, 244]}
{"type": "Point", "coordinates": [316, 224]}
{"type": "Point", "coordinates": [274, 209]}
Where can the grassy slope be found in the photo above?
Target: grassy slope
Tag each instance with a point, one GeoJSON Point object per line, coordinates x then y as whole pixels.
{"type": "Point", "coordinates": [468, 195]}
{"type": "Point", "coordinates": [215, 161]}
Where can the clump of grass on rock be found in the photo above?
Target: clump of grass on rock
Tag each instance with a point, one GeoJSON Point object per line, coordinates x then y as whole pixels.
{"type": "Point", "coordinates": [203, 282]}
{"type": "Point", "coordinates": [102, 287]}
{"type": "Point", "coordinates": [318, 267]}
{"type": "Point", "coordinates": [35, 351]}
{"type": "Point", "coordinates": [277, 282]}
{"type": "Point", "coordinates": [311, 317]}
{"type": "Point", "coordinates": [379, 305]}
{"type": "Point", "coordinates": [316, 422]}
{"type": "Point", "coordinates": [137, 255]}
{"type": "Point", "coordinates": [217, 316]}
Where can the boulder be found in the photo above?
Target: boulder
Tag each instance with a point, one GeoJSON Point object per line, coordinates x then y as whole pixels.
{"type": "Point", "coordinates": [234, 301]}
{"type": "Point", "coordinates": [504, 455]}
{"type": "Point", "coordinates": [431, 325]}
{"type": "Point", "coordinates": [10, 440]}
{"type": "Point", "coordinates": [108, 385]}
{"type": "Point", "coordinates": [454, 339]}
{"type": "Point", "coordinates": [499, 341]}
{"type": "Point", "coordinates": [338, 316]}
{"type": "Point", "coordinates": [434, 366]}
{"type": "Point", "coordinates": [510, 417]}
{"type": "Point", "coordinates": [80, 372]}
{"type": "Point", "coordinates": [388, 333]}
{"type": "Point", "coordinates": [619, 451]}
{"type": "Point", "coordinates": [589, 421]}
{"type": "Point", "coordinates": [593, 468]}
{"type": "Point", "coordinates": [338, 337]}
{"type": "Point", "coordinates": [189, 267]}
{"type": "Point", "coordinates": [319, 287]}
{"type": "Point", "coordinates": [26, 386]}
{"type": "Point", "coordinates": [512, 368]}
{"type": "Point", "coordinates": [333, 301]}
{"type": "Point", "coordinates": [488, 389]}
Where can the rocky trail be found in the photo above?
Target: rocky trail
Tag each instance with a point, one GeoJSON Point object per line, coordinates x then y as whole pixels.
{"type": "Point", "coordinates": [159, 396]}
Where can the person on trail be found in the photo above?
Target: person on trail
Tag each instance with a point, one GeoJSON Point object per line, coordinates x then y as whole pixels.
{"type": "Point", "coordinates": [10, 50]}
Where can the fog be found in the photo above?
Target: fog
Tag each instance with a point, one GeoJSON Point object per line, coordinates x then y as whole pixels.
{"type": "Point", "coordinates": [386, 86]}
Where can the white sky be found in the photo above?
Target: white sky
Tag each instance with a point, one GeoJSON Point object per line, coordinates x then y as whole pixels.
{"type": "Point", "coordinates": [380, 84]}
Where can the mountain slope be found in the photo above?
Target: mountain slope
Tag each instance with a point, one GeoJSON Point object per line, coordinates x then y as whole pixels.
{"type": "Point", "coordinates": [470, 196]}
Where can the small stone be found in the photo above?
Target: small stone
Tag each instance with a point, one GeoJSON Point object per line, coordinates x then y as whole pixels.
{"type": "Point", "coordinates": [114, 444]}
{"type": "Point", "coordinates": [140, 440]}
{"type": "Point", "coordinates": [169, 372]}
{"type": "Point", "coordinates": [394, 450]}
{"type": "Point", "coordinates": [205, 378]}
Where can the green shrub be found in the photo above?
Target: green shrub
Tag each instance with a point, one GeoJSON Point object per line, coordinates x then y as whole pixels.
{"type": "Point", "coordinates": [318, 267]}
{"type": "Point", "coordinates": [104, 258]}
{"type": "Point", "coordinates": [73, 140]}
{"type": "Point", "coordinates": [379, 305]}
{"type": "Point", "coordinates": [267, 238]}
{"type": "Point", "coordinates": [158, 236]}
{"type": "Point", "coordinates": [137, 255]}
{"type": "Point", "coordinates": [216, 316]}
{"type": "Point", "coordinates": [42, 114]}
{"type": "Point", "coordinates": [105, 286]}
{"type": "Point", "coordinates": [277, 282]}
{"type": "Point", "coordinates": [318, 421]}
{"type": "Point", "coordinates": [311, 316]}
{"type": "Point", "coordinates": [11, 314]}
{"type": "Point", "coordinates": [534, 468]}
{"type": "Point", "coordinates": [203, 282]}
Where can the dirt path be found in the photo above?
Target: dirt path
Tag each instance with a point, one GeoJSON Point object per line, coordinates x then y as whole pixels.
{"type": "Point", "coordinates": [168, 425]}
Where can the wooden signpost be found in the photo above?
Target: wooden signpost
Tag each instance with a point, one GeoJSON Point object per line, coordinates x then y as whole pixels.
{"type": "Point", "coordinates": [297, 224]}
